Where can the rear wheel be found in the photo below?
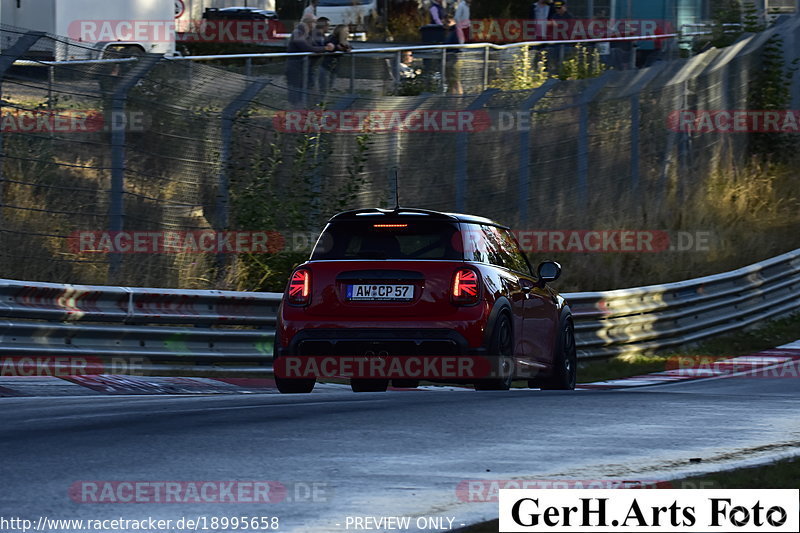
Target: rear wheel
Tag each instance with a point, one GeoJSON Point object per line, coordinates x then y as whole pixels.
{"type": "Point", "coordinates": [501, 348]}
{"type": "Point", "coordinates": [287, 385]}
{"type": "Point", "coordinates": [369, 385]}
{"type": "Point", "coordinates": [565, 371]}
{"type": "Point", "coordinates": [295, 386]}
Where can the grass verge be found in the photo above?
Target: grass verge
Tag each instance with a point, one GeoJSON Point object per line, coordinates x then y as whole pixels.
{"type": "Point", "coordinates": [761, 337]}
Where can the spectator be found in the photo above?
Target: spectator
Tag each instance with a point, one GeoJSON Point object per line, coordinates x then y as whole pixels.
{"type": "Point", "coordinates": [299, 42]}
{"type": "Point", "coordinates": [462, 21]}
{"type": "Point", "coordinates": [437, 12]}
{"type": "Point", "coordinates": [453, 72]}
{"type": "Point", "coordinates": [407, 71]}
{"type": "Point", "coordinates": [340, 39]}
{"type": "Point", "coordinates": [319, 38]}
{"type": "Point", "coordinates": [311, 9]}
{"type": "Point", "coordinates": [560, 11]}
{"type": "Point", "coordinates": [542, 10]}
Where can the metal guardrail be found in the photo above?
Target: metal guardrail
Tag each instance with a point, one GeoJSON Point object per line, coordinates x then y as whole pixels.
{"type": "Point", "coordinates": [392, 54]}
{"type": "Point", "coordinates": [646, 319]}
{"type": "Point", "coordinates": [215, 333]}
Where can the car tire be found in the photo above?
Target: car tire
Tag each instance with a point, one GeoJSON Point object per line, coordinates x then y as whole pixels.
{"type": "Point", "coordinates": [369, 385]}
{"type": "Point", "coordinates": [295, 386]}
{"type": "Point", "coordinates": [502, 347]}
{"type": "Point", "coordinates": [405, 383]}
{"type": "Point", "coordinates": [287, 385]}
{"type": "Point", "coordinates": [565, 371]}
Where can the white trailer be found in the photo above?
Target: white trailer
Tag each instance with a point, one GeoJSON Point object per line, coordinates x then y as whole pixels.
{"type": "Point", "coordinates": [190, 12]}
{"type": "Point", "coordinates": [91, 27]}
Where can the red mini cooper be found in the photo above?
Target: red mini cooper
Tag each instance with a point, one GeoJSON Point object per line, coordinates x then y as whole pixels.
{"type": "Point", "coordinates": [417, 283]}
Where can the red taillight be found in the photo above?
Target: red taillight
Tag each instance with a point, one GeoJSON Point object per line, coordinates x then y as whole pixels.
{"type": "Point", "coordinates": [300, 288]}
{"type": "Point", "coordinates": [466, 287]}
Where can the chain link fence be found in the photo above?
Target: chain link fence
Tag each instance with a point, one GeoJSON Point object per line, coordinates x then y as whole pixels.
{"type": "Point", "coordinates": [154, 145]}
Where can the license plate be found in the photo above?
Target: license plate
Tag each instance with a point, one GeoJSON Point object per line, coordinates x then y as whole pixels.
{"type": "Point", "coordinates": [380, 293]}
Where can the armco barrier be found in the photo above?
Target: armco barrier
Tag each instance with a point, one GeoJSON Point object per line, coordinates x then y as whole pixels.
{"type": "Point", "coordinates": [182, 332]}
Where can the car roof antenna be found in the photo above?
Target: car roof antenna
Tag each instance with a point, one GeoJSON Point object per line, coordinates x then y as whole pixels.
{"type": "Point", "coordinates": [396, 189]}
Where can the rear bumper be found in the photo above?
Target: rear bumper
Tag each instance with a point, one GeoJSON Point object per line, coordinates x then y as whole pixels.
{"type": "Point", "coordinates": [376, 341]}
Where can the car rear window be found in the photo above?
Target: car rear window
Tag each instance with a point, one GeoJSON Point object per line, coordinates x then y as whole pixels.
{"type": "Point", "coordinates": [390, 239]}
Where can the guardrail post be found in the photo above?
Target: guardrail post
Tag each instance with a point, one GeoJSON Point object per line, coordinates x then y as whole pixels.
{"type": "Point", "coordinates": [684, 148]}
{"type": "Point", "coordinates": [352, 73]}
{"type": "Point", "coordinates": [462, 151]}
{"type": "Point", "coordinates": [51, 80]}
{"type": "Point", "coordinates": [306, 75]}
{"type": "Point", "coordinates": [116, 210]}
{"type": "Point", "coordinates": [583, 137]}
{"type": "Point", "coordinates": [221, 220]}
{"type": "Point", "coordinates": [443, 76]}
{"type": "Point", "coordinates": [486, 52]}
{"type": "Point", "coordinates": [7, 59]}
{"type": "Point", "coordinates": [525, 148]}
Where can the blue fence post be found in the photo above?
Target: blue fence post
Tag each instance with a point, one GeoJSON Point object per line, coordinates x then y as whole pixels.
{"type": "Point", "coordinates": [7, 59]}
{"type": "Point", "coordinates": [525, 148]}
{"type": "Point", "coordinates": [462, 151]}
{"type": "Point", "coordinates": [633, 91]}
{"type": "Point", "coordinates": [116, 211]}
{"type": "Point", "coordinates": [221, 219]}
{"type": "Point", "coordinates": [583, 136]}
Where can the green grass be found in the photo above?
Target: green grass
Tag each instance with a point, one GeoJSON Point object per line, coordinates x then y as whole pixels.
{"type": "Point", "coordinates": [762, 337]}
{"type": "Point", "coordinates": [778, 475]}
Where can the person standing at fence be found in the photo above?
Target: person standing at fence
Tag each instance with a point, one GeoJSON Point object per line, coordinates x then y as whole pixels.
{"type": "Point", "coordinates": [311, 9]}
{"type": "Point", "coordinates": [542, 12]}
{"type": "Point", "coordinates": [319, 39]}
{"type": "Point", "coordinates": [561, 17]}
{"type": "Point", "coordinates": [340, 39]}
{"type": "Point", "coordinates": [300, 42]}
{"type": "Point", "coordinates": [560, 11]}
{"type": "Point", "coordinates": [462, 21]}
{"type": "Point", "coordinates": [453, 68]}
{"type": "Point", "coordinates": [437, 12]}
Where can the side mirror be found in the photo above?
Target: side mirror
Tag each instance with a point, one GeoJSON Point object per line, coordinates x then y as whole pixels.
{"type": "Point", "coordinates": [549, 271]}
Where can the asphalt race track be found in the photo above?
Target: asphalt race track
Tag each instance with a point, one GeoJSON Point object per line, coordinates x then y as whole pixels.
{"type": "Point", "coordinates": [399, 453]}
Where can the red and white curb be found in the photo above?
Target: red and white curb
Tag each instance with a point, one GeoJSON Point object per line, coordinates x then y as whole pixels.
{"type": "Point", "coordinates": [763, 364]}
{"type": "Point", "coordinates": [783, 361]}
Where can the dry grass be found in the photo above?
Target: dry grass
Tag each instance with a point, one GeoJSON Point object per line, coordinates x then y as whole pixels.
{"type": "Point", "coordinates": [751, 213]}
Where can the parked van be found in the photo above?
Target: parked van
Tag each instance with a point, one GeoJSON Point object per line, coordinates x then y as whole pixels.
{"type": "Point", "coordinates": [353, 12]}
